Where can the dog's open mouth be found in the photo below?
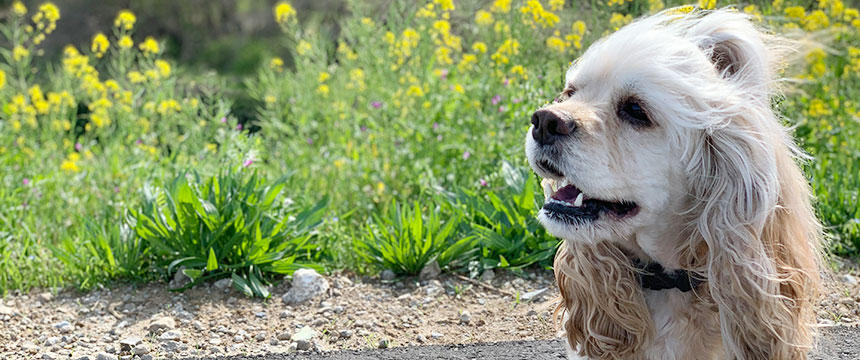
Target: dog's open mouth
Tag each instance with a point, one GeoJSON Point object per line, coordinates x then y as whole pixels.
{"type": "Point", "coordinates": [569, 204]}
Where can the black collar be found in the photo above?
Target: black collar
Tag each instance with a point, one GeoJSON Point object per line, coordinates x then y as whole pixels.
{"type": "Point", "coordinates": [654, 277]}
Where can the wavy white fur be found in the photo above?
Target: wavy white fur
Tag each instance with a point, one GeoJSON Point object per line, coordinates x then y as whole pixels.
{"type": "Point", "coordinates": [718, 190]}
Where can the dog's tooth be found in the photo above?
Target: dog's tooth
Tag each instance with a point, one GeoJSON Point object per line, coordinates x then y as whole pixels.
{"type": "Point", "coordinates": [578, 201]}
{"type": "Point", "coordinates": [547, 185]}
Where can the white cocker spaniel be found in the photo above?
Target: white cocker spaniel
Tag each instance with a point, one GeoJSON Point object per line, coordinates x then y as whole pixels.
{"type": "Point", "coordinates": [687, 224]}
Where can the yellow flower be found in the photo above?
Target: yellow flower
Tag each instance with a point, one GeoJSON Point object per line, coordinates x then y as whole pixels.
{"type": "Point", "coordinates": [617, 20]}
{"type": "Point", "coordinates": [2, 78]}
{"type": "Point", "coordinates": [816, 20]}
{"type": "Point", "coordinates": [479, 47]}
{"type": "Point", "coordinates": [70, 163]}
{"type": "Point", "coordinates": [556, 5]}
{"type": "Point", "coordinates": [284, 12]}
{"type": "Point", "coordinates": [777, 4]}
{"type": "Point", "coordinates": [443, 55]}
{"type": "Point", "coordinates": [795, 12]}
{"type": "Point", "coordinates": [19, 9]}
{"type": "Point", "coordinates": [323, 76]}
{"type": "Point", "coordinates": [163, 68]}
{"type": "Point", "coordinates": [303, 47]}
{"type": "Point", "coordinates": [458, 88]}
{"type": "Point", "coordinates": [616, 2]}
{"type": "Point", "coordinates": [655, 5]}
{"type": "Point", "coordinates": [366, 21]}
{"type": "Point", "coordinates": [276, 64]}
{"type": "Point", "coordinates": [426, 12]}
{"type": "Point", "coordinates": [501, 6]}
{"type": "Point", "coordinates": [356, 75]}
{"type": "Point", "coordinates": [135, 77]}
{"type": "Point", "coordinates": [323, 89]}
{"type": "Point", "coordinates": [168, 106]}
{"type": "Point", "coordinates": [483, 18]}
{"type": "Point", "coordinates": [149, 46]}
{"type": "Point", "coordinates": [100, 45]}
{"type": "Point", "coordinates": [467, 62]}
{"type": "Point", "coordinates": [539, 15]}
{"type": "Point", "coordinates": [125, 42]}
{"type": "Point", "coordinates": [556, 43]}
{"type": "Point", "coordinates": [707, 4]}
{"type": "Point", "coordinates": [446, 5]}
{"type": "Point", "coordinates": [125, 19]}
{"type": "Point", "coordinates": [50, 12]}
{"type": "Point", "coordinates": [415, 91]}
{"type": "Point", "coordinates": [519, 70]}
{"type": "Point", "coordinates": [19, 53]}
{"type": "Point", "coordinates": [508, 48]}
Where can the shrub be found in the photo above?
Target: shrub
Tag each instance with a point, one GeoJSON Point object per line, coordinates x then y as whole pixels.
{"type": "Point", "coordinates": [232, 225]}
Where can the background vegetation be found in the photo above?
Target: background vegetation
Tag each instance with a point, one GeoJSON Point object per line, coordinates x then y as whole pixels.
{"type": "Point", "coordinates": [371, 136]}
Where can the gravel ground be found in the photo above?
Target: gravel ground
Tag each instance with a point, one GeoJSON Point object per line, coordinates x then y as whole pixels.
{"type": "Point", "coordinates": [214, 321]}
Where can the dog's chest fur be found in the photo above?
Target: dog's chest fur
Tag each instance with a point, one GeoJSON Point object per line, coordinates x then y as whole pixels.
{"type": "Point", "coordinates": [685, 323]}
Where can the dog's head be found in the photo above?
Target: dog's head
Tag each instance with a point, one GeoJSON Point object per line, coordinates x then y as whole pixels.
{"type": "Point", "coordinates": [621, 145]}
{"type": "Point", "coordinates": [663, 143]}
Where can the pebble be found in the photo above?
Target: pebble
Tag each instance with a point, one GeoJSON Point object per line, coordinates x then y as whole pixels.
{"type": "Point", "coordinates": [345, 334]}
{"type": "Point", "coordinates": [387, 275]}
{"type": "Point", "coordinates": [433, 288]}
{"type": "Point", "coordinates": [223, 284]}
{"type": "Point", "coordinates": [273, 342]}
{"type": "Point", "coordinates": [285, 314]}
{"type": "Point", "coordinates": [307, 284]}
{"type": "Point", "coordinates": [488, 275]}
{"type": "Point", "coordinates": [260, 337]}
{"type": "Point", "coordinates": [46, 297]}
{"type": "Point", "coordinates": [48, 356]}
{"type": "Point", "coordinates": [284, 336]}
{"type": "Point", "coordinates": [126, 344]}
{"type": "Point", "coordinates": [140, 349]}
{"type": "Point", "coordinates": [64, 327]}
{"type": "Point", "coordinates": [430, 271]}
{"type": "Point", "coordinates": [162, 323]}
{"type": "Point", "coordinates": [421, 338]}
{"type": "Point", "coordinates": [533, 295]}
{"type": "Point", "coordinates": [215, 341]}
{"type": "Point", "coordinates": [303, 345]}
{"type": "Point", "coordinates": [106, 356]}
{"type": "Point", "coordinates": [436, 335]}
{"type": "Point", "coordinates": [170, 335]}
{"type": "Point", "coordinates": [305, 333]}
{"type": "Point", "coordinates": [238, 338]}
{"type": "Point", "coordinates": [465, 317]}
{"type": "Point", "coordinates": [5, 310]}
{"type": "Point", "coordinates": [383, 343]}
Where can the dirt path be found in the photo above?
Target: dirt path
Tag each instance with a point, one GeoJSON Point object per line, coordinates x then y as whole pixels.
{"type": "Point", "coordinates": [838, 342]}
{"type": "Point", "coordinates": [356, 315]}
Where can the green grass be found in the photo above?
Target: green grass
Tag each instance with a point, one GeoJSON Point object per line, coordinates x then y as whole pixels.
{"type": "Point", "coordinates": [402, 137]}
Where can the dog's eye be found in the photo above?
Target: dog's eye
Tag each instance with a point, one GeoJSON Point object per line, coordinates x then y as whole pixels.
{"type": "Point", "coordinates": [566, 94]}
{"type": "Point", "coordinates": [631, 111]}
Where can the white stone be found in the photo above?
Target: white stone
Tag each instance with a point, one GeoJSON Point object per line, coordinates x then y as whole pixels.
{"type": "Point", "coordinates": [306, 285]}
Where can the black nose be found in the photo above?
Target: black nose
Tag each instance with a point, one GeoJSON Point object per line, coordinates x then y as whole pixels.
{"type": "Point", "coordinates": [548, 127]}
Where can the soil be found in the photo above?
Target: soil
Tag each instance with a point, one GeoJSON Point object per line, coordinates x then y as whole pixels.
{"type": "Point", "coordinates": [356, 313]}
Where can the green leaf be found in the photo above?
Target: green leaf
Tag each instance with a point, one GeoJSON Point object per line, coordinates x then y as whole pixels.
{"type": "Point", "coordinates": [240, 284]}
{"type": "Point", "coordinates": [212, 262]}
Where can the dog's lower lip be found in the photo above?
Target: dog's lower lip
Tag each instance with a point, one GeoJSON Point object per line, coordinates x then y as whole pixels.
{"type": "Point", "coordinates": [561, 207]}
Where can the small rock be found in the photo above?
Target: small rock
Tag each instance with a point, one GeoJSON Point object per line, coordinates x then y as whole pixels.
{"type": "Point", "coordinates": [170, 335]}
{"type": "Point", "coordinates": [179, 279]}
{"type": "Point", "coordinates": [345, 334]}
{"type": "Point", "coordinates": [465, 317]}
{"type": "Point", "coordinates": [140, 349]}
{"type": "Point", "coordinates": [306, 285]}
{"type": "Point", "coordinates": [125, 345]}
{"type": "Point", "coordinates": [285, 314]}
{"type": "Point", "coordinates": [847, 279]}
{"type": "Point", "coordinates": [63, 327]}
{"type": "Point", "coordinates": [273, 342]}
{"type": "Point", "coordinates": [284, 336]}
{"type": "Point", "coordinates": [433, 288]}
{"type": "Point", "coordinates": [488, 275]}
{"type": "Point", "coordinates": [383, 343]}
{"type": "Point", "coordinates": [260, 337]}
{"type": "Point", "coordinates": [83, 357]}
{"type": "Point", "coordinates": [105, 356]}
{"type": "Point", "coordinates": [387, 275]}
{"type": "Point", "coordinates": [436, 335]}
{"type": "Point", "coordinates": [303, 345]}
{"type": "Point", "coordinates": [260, 314]}
{"type": "Point", "coordinates": [162, 323]}
{"type": "Point", "coordinates": [170, 346]}
{"type": "Point", "coordinates": [215, 341]}
{"type": "Point", "coordinates": [53, 340]}
{"type": "Point", "coordinates": [146, 357]}
{"type": "Point", "coordinates": [421, 338]}
{"type": "Point", "coordinates": [46, 297]}
{"type": "Point", "coordinates": [430, 271]}
{"type": "Point", "coordinates": [5, 310]}
{"type": "Point", "coordinates": [223, 284]}
{"type": "Point", "coordinates": [305, 333]}
{"type": "Point", "coordinates": [238, 338]}
{"type": "Point", "coordinates": [48, 356]}
{"type": "Point", "coordinates": [533, 295]}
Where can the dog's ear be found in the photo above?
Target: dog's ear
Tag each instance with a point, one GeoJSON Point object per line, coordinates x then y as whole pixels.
{"type": "Point", "coordinates": [604, 310]}
{"type": "Point", "coordinates": [739, 52]}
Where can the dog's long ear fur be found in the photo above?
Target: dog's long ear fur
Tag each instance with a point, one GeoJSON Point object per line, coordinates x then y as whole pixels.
{"type": "Point", "coordinates": [752, 207]}
{"type": "Point", "coordinates": [605, 315]}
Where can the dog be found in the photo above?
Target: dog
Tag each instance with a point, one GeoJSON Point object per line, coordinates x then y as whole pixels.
{"type": "Point", "coordinates": [687, 225]}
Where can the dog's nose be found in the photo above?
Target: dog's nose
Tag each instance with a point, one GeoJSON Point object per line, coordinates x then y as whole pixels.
{"type": "Point", "coordinates": [548, 127]}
